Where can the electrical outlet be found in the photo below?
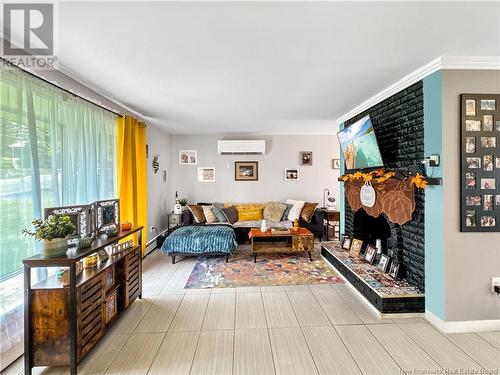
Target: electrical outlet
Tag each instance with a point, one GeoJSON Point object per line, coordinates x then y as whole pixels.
{"type": "Point", "coordinates": [494, 281]}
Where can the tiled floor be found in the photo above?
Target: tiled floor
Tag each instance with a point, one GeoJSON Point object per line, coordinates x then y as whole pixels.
{"type": "Point", "coordinates": [315, 329]}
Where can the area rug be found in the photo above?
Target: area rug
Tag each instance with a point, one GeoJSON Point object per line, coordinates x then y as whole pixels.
{"type": "Point", "coordinates": [276, 269]}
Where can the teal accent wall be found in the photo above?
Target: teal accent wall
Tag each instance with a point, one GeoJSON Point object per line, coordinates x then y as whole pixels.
{"type": "Point", "coordinates": [341, 195]}
{"type": "Point", "coordinates": [434, 206]}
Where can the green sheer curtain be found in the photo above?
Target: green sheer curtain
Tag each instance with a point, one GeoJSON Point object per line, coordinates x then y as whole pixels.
{"type": "Point", "coordinates": [55, 150]}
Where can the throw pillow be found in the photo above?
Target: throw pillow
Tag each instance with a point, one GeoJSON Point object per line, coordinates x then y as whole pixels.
{"type": "Point", "coordinates": [295, 210]}
{"type": "Point", "coordinates": [287, 211]}
{"type": "Point", "coordinates": [249, 213]}
{"type": "Point", "coordinates": [308, 211]}
{"type": "Point", "coordinates": [274, 211]}
{"type": "Point", "coordinates": [209, 215]}
{"type": "Point", "coordinates": [231, 214]}
{"type": "Point", "coordinates": [197, 211]}
{"type": "Point", "coordinates": [219, 215]}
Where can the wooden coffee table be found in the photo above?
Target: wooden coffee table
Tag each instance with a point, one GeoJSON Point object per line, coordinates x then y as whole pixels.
{"type": "Point", "coordinates": [301, 241]}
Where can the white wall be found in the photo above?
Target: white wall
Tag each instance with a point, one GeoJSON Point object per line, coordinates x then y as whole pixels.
{"type": "Point", "coordinates": [471, 259]}
{"type": "Point", "coordinates": [282, 151]}
{"type": "Point", "coordinates": [158, 190]}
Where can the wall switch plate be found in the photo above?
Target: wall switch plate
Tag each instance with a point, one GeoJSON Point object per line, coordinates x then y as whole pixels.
{"type": "Point", "coordinates": [494, 281]}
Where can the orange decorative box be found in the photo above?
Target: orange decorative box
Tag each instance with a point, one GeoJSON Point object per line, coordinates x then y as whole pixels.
{"type": "Point", "coordinates": [126, 225]}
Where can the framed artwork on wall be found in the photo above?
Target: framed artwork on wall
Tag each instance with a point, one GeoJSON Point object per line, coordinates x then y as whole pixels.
{"type": "Point", "coordinates": [306, 158]}
{"type": "Point", "coordinates": [246, 170]}
{"type": "Point", "coordinates": [188, 157]}
{"type": "Point", "coordinates": [480, 162]}
{"type": "Point", "coordinates": [292, 174]}
{"type": "Point", "coordinates": [206, 174]}
{"type": "Point", "coordinates": [336, 163]}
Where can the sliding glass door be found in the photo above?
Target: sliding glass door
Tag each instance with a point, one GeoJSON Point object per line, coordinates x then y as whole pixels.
{"type": "Point", "coordinates": [55, 150]}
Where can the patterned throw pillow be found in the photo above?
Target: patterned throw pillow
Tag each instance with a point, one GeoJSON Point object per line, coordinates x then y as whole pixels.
{"type": "Point", "coordinates": [274, 211]}
{"type": "Point", "coordinates": [287, 211]}
{"type": "Point", "coordinates": [295, 210]}
{"type": "Point", "coordinates": [231, 214]}
{"type": "Point", "coordinates": [249, 212]}
{"type": "Point", "coordinates": [308, 211]}
{"type": "Point", "coordinates": [197, 211]}
{"type": "Point", "coordinates": [209, 215]}
{"type": "Point", "coordinates": [219, 215]}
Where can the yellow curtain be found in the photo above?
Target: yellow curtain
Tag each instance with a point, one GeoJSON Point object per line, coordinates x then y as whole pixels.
{"type": "Point", "coordinates": [132, 177]}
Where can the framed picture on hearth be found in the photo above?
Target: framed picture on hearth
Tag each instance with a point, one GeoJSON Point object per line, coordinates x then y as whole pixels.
{"type": "Point", "coordinates": [346, 242]}
{"type": "Point", "coordinates": [383, 263]}
{"type": "Point", "coordinates": [394, 270]}
{"type": "Point", "coordinates": [480, 162]}
{"type": "Point", "coordinates": [370, 253]}
{"type": "Point", "coordinates": [355, 248]}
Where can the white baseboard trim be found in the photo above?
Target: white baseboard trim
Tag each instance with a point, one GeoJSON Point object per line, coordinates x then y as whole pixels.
{"type": "Point", "coordinates": [462, 326]}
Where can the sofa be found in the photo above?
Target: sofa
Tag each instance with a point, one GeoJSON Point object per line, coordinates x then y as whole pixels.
{"type": "Point", "coordinates": [242, 227]}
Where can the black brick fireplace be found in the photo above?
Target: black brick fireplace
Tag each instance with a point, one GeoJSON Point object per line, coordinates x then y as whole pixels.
{"type": "Point", "coordinates": [399, 125]}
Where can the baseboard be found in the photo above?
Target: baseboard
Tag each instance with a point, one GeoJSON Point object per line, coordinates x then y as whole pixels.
{"type": "Point", "coordinates": [462, 326]}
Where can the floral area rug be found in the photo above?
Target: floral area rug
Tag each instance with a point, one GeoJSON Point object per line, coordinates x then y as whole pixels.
{"type": "Point", "coordinates": [270, 269]}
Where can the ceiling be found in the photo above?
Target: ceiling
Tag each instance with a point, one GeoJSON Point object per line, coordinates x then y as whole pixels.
{"type": "Point", "coordinates": [260, 67]}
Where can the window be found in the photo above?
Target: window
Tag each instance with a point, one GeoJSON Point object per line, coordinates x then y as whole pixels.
{"type": "Point", "coordinates": [55, 150]}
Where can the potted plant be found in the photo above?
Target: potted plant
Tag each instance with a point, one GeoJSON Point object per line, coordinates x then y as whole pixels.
{"type": "Point", "coordinates": [53, 233]}
{"type": "Point", "coordinates": [183, 202]}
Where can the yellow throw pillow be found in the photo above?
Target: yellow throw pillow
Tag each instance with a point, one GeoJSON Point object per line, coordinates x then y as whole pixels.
{"type": "Point", "coordinates": [249, 212]}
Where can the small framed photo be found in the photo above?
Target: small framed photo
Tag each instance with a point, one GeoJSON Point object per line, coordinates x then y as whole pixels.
{"type": "Point", "coordinates": [488, 221]}
{"type": "Point", "coordinates": [346, 243]}
{"type": "Point", "coordinates": [489, 142]}
{"type": "Point", "coordinates": [473, 162]}
{"type": "Point", "coordinates": [383, 263]}
{"type": "Point", "coordinates": [497, 126]}
{"type": "Point", "coordinates": [206, 174]}
{"type": "Point", "coordinates": [488, 123]}
{"type": "Point", "coordinates": [102, 255]}
{"type": "Point", "coordinates": [497, 200]}
{"type": "Point", "coordinates": [291, 174]}
{"type": "Point", "coordinates": [246, 171]}
{"type": "Point", "coordinates": [336, 163]}
{"type": "Point", "coordinates": [394, 270]}
{"type": "Point", "coordinates": [470, 180]}
{"type": "Point", "coordinates": [470, 107]}
{"type": "Point", "coordinates": [497, 163]}
{"type": "Point", "coordinates": [473, 125]}
{"type": "Point", "coordinates": [188, 157]}
{"type": "Point", "coordinates": [356, 245]}
{"type": "Point", "coordinates": [470, 145]}
{"type": "Point", "coordinates": [488, 202]}
{"type": "Point", "coordinates": [370, 253]}
{"type": "Point", "coordinates": [488, 163]}
{"type": "Point", "coordinates": [306, 158]}
{"type": "Point", "coordinates": [488, 104]}
{"type": "Point", "coordinates": [473, 200]}
{"type": "Point", "coordinates": [488, 184]}
{"type": "Point", "coordinates": [470, 218]}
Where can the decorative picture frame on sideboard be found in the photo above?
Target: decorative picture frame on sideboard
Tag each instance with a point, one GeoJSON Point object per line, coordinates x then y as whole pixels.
{"type": "Point", "coordinates": [480, 173]}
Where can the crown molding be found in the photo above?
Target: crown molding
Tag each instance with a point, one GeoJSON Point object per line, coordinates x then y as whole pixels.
{"type": "Point", "coordinates": [440, 63]}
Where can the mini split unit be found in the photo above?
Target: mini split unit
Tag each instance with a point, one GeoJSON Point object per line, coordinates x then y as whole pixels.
{"type": "Point", "coordinates": [235, 147]}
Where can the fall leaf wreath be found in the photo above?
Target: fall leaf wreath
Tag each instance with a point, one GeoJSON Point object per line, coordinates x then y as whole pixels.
{"type": "Point", "coordinates": [395, 196]}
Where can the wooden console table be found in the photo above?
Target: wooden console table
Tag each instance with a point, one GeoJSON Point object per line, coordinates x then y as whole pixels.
{"type": "Point", "coordinates": [301, 241]}
{"type": "Point", "coordinates": [62, 323]}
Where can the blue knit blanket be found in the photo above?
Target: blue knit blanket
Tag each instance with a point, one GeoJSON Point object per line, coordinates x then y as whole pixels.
{"type": "Point", "coordinates": [201, 239]}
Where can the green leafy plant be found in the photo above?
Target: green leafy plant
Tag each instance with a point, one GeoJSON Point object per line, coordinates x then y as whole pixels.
{"type": "Point", "coordinates": [52, 227]}
{"type": "Point", "coordinates": [183, 201]}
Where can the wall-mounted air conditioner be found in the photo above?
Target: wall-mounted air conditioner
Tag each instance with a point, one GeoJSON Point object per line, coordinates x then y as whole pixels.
{"type": "Point", "coordinates": [243, 147]}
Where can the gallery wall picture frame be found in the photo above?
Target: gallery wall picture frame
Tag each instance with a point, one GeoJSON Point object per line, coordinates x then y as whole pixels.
{"type": "Point", "coordinates": [107, 214]}
{"type": "Point", "coordinates": [306, 158]}
{"type": "Point", "coordinates": [336, 163]}
{"type": "Point", "coordinates": [292, 174]}
{"type": "Point", "coordinates": [480, 162]}
{"type": "Point", "coordinates": [206, 174]}
{"type": "Point", "coordinates": [188, 157]}
{"type": "Point", "coordinates": [246, 170]}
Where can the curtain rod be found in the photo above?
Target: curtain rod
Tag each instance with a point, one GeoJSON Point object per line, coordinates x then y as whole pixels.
{"type": "Point", "coordinates": [60, 88]}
